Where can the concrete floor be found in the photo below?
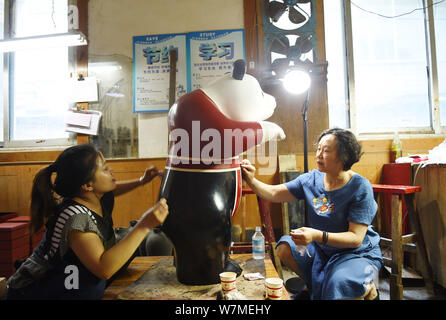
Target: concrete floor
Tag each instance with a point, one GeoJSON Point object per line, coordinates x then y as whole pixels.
{"type": "Point", "coordinates": [413, 286]}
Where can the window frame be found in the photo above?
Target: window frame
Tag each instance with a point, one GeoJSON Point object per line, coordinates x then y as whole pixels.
{"type": "Point", "coordinates": [435, 129]}
{"type": "Point", "coordinates": [11, 145]}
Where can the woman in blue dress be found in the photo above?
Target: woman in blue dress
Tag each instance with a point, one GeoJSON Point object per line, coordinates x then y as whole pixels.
{"type": "Point", "coordinates": [343, 250]}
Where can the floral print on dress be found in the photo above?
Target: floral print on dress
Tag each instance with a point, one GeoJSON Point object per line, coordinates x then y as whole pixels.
{"type": "Point", "coordinates": [322, 205]}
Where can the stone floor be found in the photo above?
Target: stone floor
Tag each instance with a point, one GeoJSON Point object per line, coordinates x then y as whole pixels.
{"type": "Point", "coordinates": [414, 288]}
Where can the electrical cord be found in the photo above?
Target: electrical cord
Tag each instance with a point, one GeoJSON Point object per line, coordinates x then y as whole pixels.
{"type": "Point", "coordinates": [399, 15]}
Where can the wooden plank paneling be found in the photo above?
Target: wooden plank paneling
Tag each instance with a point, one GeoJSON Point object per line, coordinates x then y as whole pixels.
{"type": "Point", "coordinates": [132, 205]}
{"type": "Point", "coordinates": [24, 165]}
{"type": "Point", "coordinates": [431, 205]}
{"type": "Point", "coordinates": [251, 43]}
{"type": "Point", "coordinates": [8, 187]}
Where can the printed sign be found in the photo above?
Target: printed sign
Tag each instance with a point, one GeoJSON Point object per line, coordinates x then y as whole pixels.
{"type": "Point", "coordinates": [201, 58]}
{"type": "Point", "coordinates": [151, 71]}
{"type": "Point", "coordinates": [212, 54]}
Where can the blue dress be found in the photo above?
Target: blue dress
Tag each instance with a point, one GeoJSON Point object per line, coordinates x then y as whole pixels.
{"type": "Point", "coordinates": [337, 273]}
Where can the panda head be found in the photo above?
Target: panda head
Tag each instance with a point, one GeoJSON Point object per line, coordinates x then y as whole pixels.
{"type": "Point", "coordinates": [239, 96]}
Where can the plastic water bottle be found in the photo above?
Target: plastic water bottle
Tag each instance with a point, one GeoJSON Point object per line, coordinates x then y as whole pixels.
{"type": "Point", "coordinates": [396, 149]}
{"type": "Point", "coordinates": [258, 244]}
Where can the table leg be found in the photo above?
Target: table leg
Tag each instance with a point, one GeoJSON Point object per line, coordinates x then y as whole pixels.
{"type": "Point", "coordinates": [421, 247]}
{"type": "Point", "coordinates": [396, 281]}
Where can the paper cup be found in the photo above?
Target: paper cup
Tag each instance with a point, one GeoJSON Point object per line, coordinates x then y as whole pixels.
{"type": "Point", "coordinates": [227, 281]}
{"type": "Point", "coordinates": [274, 288]}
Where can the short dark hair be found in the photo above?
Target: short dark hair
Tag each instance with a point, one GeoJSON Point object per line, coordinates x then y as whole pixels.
{"type": "Point", "coordinates": [349, 149]}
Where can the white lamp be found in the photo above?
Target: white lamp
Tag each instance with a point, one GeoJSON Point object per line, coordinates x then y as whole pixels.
{"type": "Point", "coordinates": [71, 39]}
{"type": "Point", "coordinates": [296, 81]}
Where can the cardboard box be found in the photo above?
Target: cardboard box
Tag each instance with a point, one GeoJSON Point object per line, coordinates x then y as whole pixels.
{"type": "Point", "coordinates": [18, 242]}
{"type": "Point", "coordinates": [20, 219]}
{"type": "Point", "coordinates": [34, 238]}
{"type": "Point", "coordinates": [13, 230]}
{"type": "Point", "coordinates": [5, 216]}
{"type": "Point", "coordinates": [13, 254]}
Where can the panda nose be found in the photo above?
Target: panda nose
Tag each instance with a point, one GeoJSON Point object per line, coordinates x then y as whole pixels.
{"type": "Point", "coordinates": [239, 69]}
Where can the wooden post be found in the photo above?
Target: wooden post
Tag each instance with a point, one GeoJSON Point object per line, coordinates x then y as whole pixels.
{"type": "Point", "coordinates": [82, 59]}
{"type": "Point", "coordinates": [172, 82]}
{"type": "Point", "coordinates": [173, 77]}
{"type": "Point", "coordinates": [414, 220]}
{"type": "Point", "coordinates": [396, 292]}
{"type": "Point", "coordinates": [243, 212]}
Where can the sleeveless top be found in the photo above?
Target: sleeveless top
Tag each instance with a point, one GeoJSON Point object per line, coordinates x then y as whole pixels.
{"type": "Point", "coordinates": [53, 271]}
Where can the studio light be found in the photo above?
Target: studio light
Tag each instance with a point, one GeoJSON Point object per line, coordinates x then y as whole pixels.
{"type": "Point", "coordinates": [296, 81]}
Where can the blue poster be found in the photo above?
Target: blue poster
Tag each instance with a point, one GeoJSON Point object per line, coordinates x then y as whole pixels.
{"type": "Point", "coordinates": [212, 54]}
{"type": "Point", "coordinates": [151, 71]}
{"type": "Point", "coordinates": [202, 57]}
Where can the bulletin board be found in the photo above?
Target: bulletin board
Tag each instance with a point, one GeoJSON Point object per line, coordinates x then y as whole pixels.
{"type": "Point", "coordinates": [202, 57]}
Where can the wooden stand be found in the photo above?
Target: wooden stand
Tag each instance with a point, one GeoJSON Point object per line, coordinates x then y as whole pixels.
{"type": "Point", "coordinates": [413, 241]}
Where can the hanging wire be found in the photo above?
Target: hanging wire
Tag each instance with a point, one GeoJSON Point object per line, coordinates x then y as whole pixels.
{"type": "Point", "coordinates": [399, 15]}
{"type": "Point", "coordinates": [52, 14]}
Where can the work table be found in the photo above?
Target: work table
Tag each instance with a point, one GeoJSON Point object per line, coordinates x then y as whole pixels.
{"type": "Point", "coordinates": [140, 265]}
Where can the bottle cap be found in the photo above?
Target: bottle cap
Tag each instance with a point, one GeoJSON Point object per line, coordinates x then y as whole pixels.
{"type": "Point", "coordinates": [258, 229]}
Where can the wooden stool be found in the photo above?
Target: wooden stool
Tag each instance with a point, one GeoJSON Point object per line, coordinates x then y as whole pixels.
{"type": "Point", "coordinates": [399, 241]}
{"type": "Point", "coordinates": [267, 230]}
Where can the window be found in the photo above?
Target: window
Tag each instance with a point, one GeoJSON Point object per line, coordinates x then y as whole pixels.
{"type": "Point", "coordinates": [337, 75]}
{"type": "Point", "coordinates": [37, 78]}
{"type": "Point", "coordinates": [2, 18]}
{"type": "Point", "coordinates": [380, 67]}
{"type": "Point", "coordinates": [440, 40]}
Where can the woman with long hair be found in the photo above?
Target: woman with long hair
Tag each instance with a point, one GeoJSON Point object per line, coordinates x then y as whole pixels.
{"type": "Point", "coordinates": [78, 253]}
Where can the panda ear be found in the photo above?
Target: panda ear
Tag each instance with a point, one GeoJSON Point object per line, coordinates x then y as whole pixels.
{"type": "Point", "coordinates": [239, 69]}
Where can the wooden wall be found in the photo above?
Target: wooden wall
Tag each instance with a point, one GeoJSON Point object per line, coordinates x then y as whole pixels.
{"type": "Point", "coordinates": [17, 170]}
{"type": "Point", "coordinates": [16, 182]}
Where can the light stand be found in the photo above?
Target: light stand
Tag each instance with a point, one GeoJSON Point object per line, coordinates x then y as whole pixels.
{"type": "Point", "coordinates": [305, 121]}
{"type": "Point", "coordinates": [297, 82]}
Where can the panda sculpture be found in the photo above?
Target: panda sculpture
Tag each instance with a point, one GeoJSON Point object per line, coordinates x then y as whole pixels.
{"type": "Point", "coordinates": [208, 129]}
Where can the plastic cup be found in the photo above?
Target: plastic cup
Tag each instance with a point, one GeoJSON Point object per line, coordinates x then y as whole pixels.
{"type": "Point", "coordinates": [273, 288]}
{"type": "Point", "coordinates": [227, 280]}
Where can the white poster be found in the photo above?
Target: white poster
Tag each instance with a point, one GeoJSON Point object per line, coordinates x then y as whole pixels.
{"type": "Point", "coordinates": [212, 54]}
